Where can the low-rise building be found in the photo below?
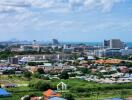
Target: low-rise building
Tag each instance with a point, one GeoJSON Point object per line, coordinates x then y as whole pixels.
{"type": "Point", "coordinates": [126, 51]}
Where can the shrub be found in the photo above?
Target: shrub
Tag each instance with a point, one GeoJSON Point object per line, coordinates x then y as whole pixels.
{"type": "Point", "coordinates": [37, 75]}
{"type": "Point", "coordinates": [40, 70]}
{"type": "Point", "coordinates": [27, 74]}
{"type": "Point", "coordinates": [40, 85]}
{"type": "Point", "coordinates": [69, 97]}
{"type": "Point", "coordinates": [64, 75]}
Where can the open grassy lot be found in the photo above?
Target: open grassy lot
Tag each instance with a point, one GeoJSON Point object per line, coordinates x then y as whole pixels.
{"type": "Point", "coordinates": [17, 96]}
{"type": "Point", "coordinates": [78, 96]}
{"type": "Point", "coordinates": [80, 89]}
{"type": "Point", "coordinates": [102, 95]}
{"type": "Point", "coordinates": [83, 90]}
{"type": "Point", "coordinates": [13, 79]}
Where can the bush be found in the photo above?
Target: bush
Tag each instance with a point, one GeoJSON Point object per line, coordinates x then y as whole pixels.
{"type": "Point", "coordinates": [27, 74]}
{"type": "Point", "coordinates": [64, 75]}
{"type": "Point", "coordinates": [27, 98]}
{"type": "Point", "coordinates": [40, 85]}
{"type": "Point", "coordinates": [44, 77]}
{"type": "Point", "coordinates": [8, 72]}
{"type": "Point", "coordinates": [72, 75]}
{"type": "Point", "coordinates": [40, 70]}
{"type": "Point", "coordinates": [35, 63]}
{"type": "Point", "coordinates": [54, 79]}
{"type": "Point", "coordinates": [78, 89]}
{"type": "Point", "coordinates": [69, 97]}
{"type": "Point", "coordinates": [37, 75]}
{"type": "Point", "coordinates": [85, 70]}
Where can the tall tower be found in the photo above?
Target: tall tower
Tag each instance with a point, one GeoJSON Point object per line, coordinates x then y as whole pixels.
{"type": "Point", "coordinates": [55, 42]}
{"type": "Point", "coordinates": [34, 42]}
{"type": "Point", "coordinates": [106, 43]}
{"type": "Point", "coordinates": [116, 43]}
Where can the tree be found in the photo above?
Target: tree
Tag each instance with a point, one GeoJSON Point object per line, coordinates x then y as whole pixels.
{"type": "Point", "coordinates": [37, 75]}
{"type": "Point", "coordinates": [130, 72]}
{"type": "Point", "coordinates": [40, 85]}
{"type": "Point", "coordinates": [44, 77]}
{"type": "Point", "coordinates": [40, 70]}
{"type": "Point", "coordinates": [85, 70]}
{"type": "Point", "coordinates": [69, 97]}
{"type": "Point", "coordinates": [35, 63]}
{"type": "Point", "coordinates": [27, 74]}
{"type": "Point", "coordinates": [26, 98]}
{"type": "Point", "coordinates": [123, 92]}
{"type": "Point", "coordinates": [64, 75]}
{"type": "Point", "coordinates": [9, 71]}
{"type": "Point", "coordinates": [32, 63]}
{"type": "Point", "coordinates": [100, 75]}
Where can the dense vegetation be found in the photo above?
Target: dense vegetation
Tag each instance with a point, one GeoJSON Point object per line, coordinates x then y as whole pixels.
{"type": "Point", "coordinates": [6, 54]}
{"type": "Point", "coordinates": [127, 64]}
{"type": "Point", "coordinates": [76, 88]}
{"type": "Point", "coordinates": [35, 63]}
{"type": "Point", "coordinates": [40, 85]}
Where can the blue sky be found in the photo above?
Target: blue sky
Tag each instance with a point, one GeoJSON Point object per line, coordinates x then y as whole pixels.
{"type": "Point", "coordinates": [66, 20]}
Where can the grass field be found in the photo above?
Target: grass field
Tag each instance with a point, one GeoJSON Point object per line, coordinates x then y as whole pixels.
{"type": "Point", "coordinates": [80, 89]}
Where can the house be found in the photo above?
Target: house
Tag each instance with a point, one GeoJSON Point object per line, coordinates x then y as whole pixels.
{"type": "Point", "coordinates": [80, 58]}
{"type": "Point", "coordinates": [61, 86]}
{"type": "Point", "coordinates": [129, 98]}
{"type": "Point", "coordinates": [51, 69]}
{"type": "Point", "coordinates": [50, 94]}
{"type": "Point", "coordinates": [91, 58]}
{"type": "Point", "coordinates": [4, 93]}
{"type": "Point", "coordinates": [8, 85]}
{"type": "Point", "coordinates": [93, 70]}
{"type": "Point", "coordinates": [117, 99]}
{"type": "Point", "coordinates": [35, 98]}
{"type": "Point", "coordinates": [56, 98]}
{"type": "Point", "coordinates": [108, 61]}
{"type": "Point", "coordinates": [103, 71]}
{"type": "Point", "coordinates": [123, 69]}
{"type": "Point", "coordinates": [25, 97]}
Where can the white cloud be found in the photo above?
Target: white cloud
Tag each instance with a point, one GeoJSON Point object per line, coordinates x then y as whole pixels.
{"type": "Point", "coordinates": [54, 5]}
{"type": "Point", "coordinates": [90, 3]}
{"type": "Point", "coordinates": [24, 17]}
{"type": "Point", "coordinates": [104, 5]}
{"type": "Point", "coordinates": [107, 5]}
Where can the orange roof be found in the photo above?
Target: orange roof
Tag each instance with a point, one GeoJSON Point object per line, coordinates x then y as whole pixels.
{"type": "Point", "coordinates": [109, 61]}
{"type": "Point", "coordinates": [51, 93]}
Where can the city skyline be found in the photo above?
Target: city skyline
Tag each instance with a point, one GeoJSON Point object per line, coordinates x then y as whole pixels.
{"type": "Point", "coordinates": [66, 20]}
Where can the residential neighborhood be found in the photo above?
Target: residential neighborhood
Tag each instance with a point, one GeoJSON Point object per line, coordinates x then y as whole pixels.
{"type": "Point", "coordinates": [48, 70]}
{"type": "Point", "coordinates": [65, 49]}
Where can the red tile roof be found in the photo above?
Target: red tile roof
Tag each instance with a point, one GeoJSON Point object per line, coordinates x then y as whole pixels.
{"type": "Point", "coordinates": [51, 93]}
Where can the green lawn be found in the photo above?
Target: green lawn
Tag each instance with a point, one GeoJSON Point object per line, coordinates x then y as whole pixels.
{"type": "Point", "coordinates": [14, 79]}
{"type": "Point", "coordinates": [17, 96]}
{"type": "Point", "coordinates": [80, 89]}
{"type": "Point", "coordinates": [108, 94]}
{"type": "Point", "coordinates": [18, 92]}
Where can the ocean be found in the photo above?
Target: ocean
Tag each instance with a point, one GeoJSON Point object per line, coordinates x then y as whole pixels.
{"type": "Point", "coordinates": [128, 44]}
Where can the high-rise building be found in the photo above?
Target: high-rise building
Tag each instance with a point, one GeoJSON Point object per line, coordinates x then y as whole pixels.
{"type": "Point", "coordinates": [106, 43]}
{"type": "Point", "coordinates": [55, 42]}
{"type": "Point", "coordinates": [13, 60]}
{"type": "Point", "coordinates": [116, 44]}
{"type": "Point", "coordinates": [34, 42]}
{"type": "Point", "coordinates": [108, 53]}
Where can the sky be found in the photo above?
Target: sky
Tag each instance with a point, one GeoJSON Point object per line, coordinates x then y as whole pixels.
{"type": "Point", "coordinates": [66, 20]}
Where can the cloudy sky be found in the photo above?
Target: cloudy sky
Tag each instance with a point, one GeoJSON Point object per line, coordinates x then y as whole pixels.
{"type": "Point", "coordinates": [66, 20]}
